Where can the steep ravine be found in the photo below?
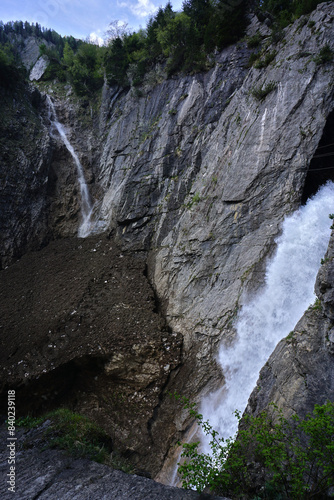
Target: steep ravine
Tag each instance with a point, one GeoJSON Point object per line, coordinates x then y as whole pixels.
{"type": "Point", "coordinates": [194, 176]}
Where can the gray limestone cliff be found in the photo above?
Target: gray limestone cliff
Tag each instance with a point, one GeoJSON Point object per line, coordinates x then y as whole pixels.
{"type": "Point", "coordinates": [195, 174]}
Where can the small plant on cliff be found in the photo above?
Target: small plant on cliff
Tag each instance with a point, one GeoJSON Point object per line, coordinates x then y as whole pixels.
{"type": "Point", "coordinates": [261, 93]}
{"type": "Point", "coordinates": [263, 63]}
{"type": "Point", "coordinates": [325, 55]}
{"type": "Point", "coordinates": [254, 41]}
{"type": "Point", "coordinates": [271, 457]}
{"type": "Point", "coordinates": [194, 200]}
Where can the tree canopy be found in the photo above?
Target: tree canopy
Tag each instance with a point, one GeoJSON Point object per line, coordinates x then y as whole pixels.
{"type": "Point", "coordinates": [179, 41]}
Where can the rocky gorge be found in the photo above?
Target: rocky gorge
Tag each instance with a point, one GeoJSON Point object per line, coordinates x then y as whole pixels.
{"type": "Point", "coordinates": [191, 178]}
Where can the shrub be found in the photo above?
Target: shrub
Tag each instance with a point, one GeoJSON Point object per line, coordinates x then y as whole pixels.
{"type": "Point", "coordinates": [263, 63]}
{"type": "Point", "coordinates": [254, 41]}
{"type": "Point", "coordinates": [261, 92]}
{"type": "Point", "coordinates": [10, 70]}
{"type": "Point", "coordinates": [271, 457]}
{"type": "Point", "coordinates": [194, 200]}
{"type": "Point", "coordinates": [325, 55]}
{"type": "Point", "coordinates": [252, 58]}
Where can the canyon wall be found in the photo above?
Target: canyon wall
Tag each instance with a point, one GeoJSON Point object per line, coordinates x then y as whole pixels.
{"type": "Point", "coordinates": [195, 174]}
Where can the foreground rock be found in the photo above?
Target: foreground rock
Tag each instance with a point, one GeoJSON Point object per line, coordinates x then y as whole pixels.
{"type": "Point", "coordinates": [51, 475]}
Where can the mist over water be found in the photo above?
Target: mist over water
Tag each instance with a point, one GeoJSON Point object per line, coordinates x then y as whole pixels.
{"type": "Point", "coordinates": [86, 225]}
{"type": "Point", "coordinates": [273, 312]}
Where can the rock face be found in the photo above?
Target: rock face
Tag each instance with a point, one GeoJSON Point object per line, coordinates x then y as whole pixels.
{"type": "Point", "coordinates": [24, 156]}
{"type": "Point", "coordinates": [196, 175]}
{"type": "Point", "coordinates": [39, 68]}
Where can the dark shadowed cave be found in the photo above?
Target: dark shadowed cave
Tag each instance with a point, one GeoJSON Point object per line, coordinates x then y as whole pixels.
{"type": "Point", "coordinates": [321, 168]}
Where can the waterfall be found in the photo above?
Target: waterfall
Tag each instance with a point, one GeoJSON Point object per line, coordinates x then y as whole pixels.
{"type": "Point", "coordinates": [273, 312]}
{"type": "Point", "coordinates": [86, 225]}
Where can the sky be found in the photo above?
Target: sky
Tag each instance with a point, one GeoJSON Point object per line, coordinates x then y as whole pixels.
{"type": "Point", "coordinates": [82, 18]}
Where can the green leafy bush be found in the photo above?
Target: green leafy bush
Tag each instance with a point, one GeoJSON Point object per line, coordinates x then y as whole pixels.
{"type": "Point", "coordinates": [325, 55]}
{"type": "Point", "coordinates": [11, 71]}
{"type": "Point", "coordinates": [254, 41]}
{"type": "Point", "coordinates": [263, 63]}
{"type": "Point", "coordinates": [284, 11]}
{"type": "Point", "coordinates": [272, 457]}
{"type": "Point", "coordinates": [78, 435]}
{"type": "Point", "coordinates": [261, 92]}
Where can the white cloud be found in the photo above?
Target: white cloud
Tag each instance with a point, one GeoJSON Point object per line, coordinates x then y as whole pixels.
{"type": "Point", "coordinates": [95, 38]}
{"type": "Point", "coordinates": [140, 9]}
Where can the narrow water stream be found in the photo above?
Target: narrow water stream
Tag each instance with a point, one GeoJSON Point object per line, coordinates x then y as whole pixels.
{"type": "Point", "coordinates": [86, 224]}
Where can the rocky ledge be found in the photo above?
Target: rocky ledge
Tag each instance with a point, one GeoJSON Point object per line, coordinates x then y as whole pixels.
{"type": "Point", "coordinates": [51, 474]}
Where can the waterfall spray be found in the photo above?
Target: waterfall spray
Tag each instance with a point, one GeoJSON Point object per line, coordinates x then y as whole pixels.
{"type": "Point", "coordinates": [274, 311]}
{"type": "Point", "coordinates": [86, 225]}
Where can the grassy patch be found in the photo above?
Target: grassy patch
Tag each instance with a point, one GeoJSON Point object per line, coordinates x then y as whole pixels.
{"type": "Point", "coordinates": [78, 436]}
{"type": "Point", "coordinates": [254, 41]}
{"type": "Point", "coordinates": [194, 200]}
{"type": "Point", "coordinates": [317, 305]}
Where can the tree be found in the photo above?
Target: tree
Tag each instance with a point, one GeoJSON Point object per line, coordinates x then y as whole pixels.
{"type": "Point", "coordinates": [68, 55]}
{"type": "Point", "coordinates": [84, 67]}
{"type": "Point", "coordinates": [154, 25]}
{"type": "Point", "coordinates": [10, 71]}
{"type": "Point", "coordinates": [116, 63]}
{"type": "Point", "coordinates": [116, 29]}
{"type": "Point", "coordinates": [200, 11]}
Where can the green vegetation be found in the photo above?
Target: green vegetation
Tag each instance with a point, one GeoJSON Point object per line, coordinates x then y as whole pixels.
{"type": "Point", "coordinates": [74, 433]}
{"type": "Point", "coordinates": [254, 41]}
{"type": "Point", "coordinates": [260, 93]}
{"type": "Point", "coordinates": [285, 12]}
{"type": "Point", "coordinates": [317, 303]}
{"type": "Point", "coordinates": [194, 200]}
{"type": "Point", "coordinates": [84, 68]}
{"type": "Point", "coordinates": [325, 55]}
{"type": "Point", "coordinates": [10, 66]}
{"type": "Point", "coordinates": [70, 60]}
{"type": "Point", "coordinates": [263, 63]}
{"type": "Point", "coordinates": [78, 436]}
{"type": "Point", "coordinates": [180, 40]}
{"type": "Point", "coordinates": [272, 457]}
{"type": "Point", "coordinates": [172, 42]}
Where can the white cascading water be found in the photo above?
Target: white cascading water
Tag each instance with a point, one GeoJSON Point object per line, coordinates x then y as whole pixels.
{"type": "Point", "coordinates": [274, 311]}
{"type": "Point", "coordinates": [86, 225]}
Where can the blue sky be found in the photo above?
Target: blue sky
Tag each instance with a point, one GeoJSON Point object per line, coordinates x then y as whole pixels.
{"type": "Point", "coordinates": [81, 18]}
